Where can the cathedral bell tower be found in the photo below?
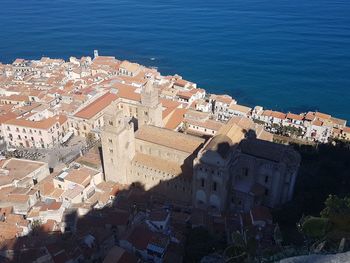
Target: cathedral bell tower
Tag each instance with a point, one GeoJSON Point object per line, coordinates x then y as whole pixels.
{"type": "Point", "coordinates": [150, 110]}
{"type": "Point", "coordinates": [118, 145]}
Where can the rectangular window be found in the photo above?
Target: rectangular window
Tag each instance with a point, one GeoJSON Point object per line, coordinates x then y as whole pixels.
{"type": "Point", "coordinates": [266, 192]}
{"type": "Point", "coordinates": [214, 186]}
{"type": "Point", "coordinates": [202, 182]}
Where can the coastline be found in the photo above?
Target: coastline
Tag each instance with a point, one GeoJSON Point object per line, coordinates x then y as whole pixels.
{"type": "Point", "coordinates": [309, 125]}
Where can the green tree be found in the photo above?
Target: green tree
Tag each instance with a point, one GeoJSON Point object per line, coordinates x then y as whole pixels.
{"type": "Point", "coordinates": [315, 228]}
{"type": "Point", "coordinates": [336, 206]}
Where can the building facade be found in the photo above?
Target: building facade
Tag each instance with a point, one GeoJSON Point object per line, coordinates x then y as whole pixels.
{"type": "Point", "coordinates": [35, 134]}
{"type": "Point", "coordinates": [237, 171]}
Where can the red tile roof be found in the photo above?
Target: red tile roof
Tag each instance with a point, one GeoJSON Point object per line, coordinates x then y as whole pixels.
{"type": "Point", "coordinates": [294, 116]}
{"type": "Point", "coordinates": [317, 123]}
{"type": "Point", "coordinates": [310, 116]}
{"type": "Point", "coordinates": [278, 115]}
{"type": "Point", "coordinates": [128, 92]}
{"type": "Point", "coordinates": [140, 237]}
{"type": "Point", "coordinates": [7, 116]}
{"type": "Point", "coordinates": [185, 94]}
{"type": "Point", "coordinates": [52, 206]}
{"type": "Point", "coordinates": [176, 118]}
{"type": "Point", "coordinates": [43, 124]}
{"type": "Point", "coordinates": [322, 115]}
{"type": "Point", "coordinates": [96, 106]}
{"type": "Point", "coordinates": [181, 82]}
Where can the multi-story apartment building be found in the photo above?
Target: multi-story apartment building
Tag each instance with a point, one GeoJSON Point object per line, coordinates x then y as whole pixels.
{"type": "Point", "coordinates": [78, 184]}
{"type": "Point", "coordinates": [89, 119]}
{"type": "Point", "coordinates": [45, 133]}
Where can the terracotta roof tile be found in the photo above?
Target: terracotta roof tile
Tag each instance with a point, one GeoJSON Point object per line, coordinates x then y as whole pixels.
{"type": "Point", "coordinates": [317, 123]}
{"type": "Point", "coordinates": [278, 115]}
{"type": "Point", "coordinates": [169, 138]}
{"type": "Point", "coordinates": [322, 115]}
{"type": "Point", "coordinates": [185, 94]}
{"type": "Point", "coordinates": [96, 106]}
{"type": "Point", "coordinates": [176, 118]}
{"type": "Point", "coordinates": [127, 92]}
{"type": "Point", "coordinates": [131, 67]}
{"type": "Point", "coordinates": [295, 116]}
{"type": "Point", "coordinates": [163, 165]}
{"type": "Point", "coordinates": [43, 124]}
{"type": "Point", "coordinates": [310, 116]}
{"type": "Point", "coordinates": [240, 108]}
{"type": "Point", "coordinates": [80, 176]}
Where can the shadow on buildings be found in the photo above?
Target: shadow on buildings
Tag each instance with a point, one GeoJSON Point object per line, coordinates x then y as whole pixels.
{"type": "Point", "coordinates": [108, 225]}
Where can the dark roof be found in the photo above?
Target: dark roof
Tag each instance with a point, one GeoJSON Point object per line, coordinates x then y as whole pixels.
{"type": "Point", "coordinates": [220, 144]}
{"type": "Point", "coordinates": [263, 149]}
{"type": "Point", "coordinates": [158, 215]}
{"type": "Point", "coordinates": [140, 237]}
{"type": "Point", "coordinates": [257, 189]}
{"type": "Point", "coordinates": [128, 258]}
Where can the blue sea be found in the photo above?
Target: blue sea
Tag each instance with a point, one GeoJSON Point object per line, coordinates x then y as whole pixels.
{"type": "Point", "coordinates": [290, 55]}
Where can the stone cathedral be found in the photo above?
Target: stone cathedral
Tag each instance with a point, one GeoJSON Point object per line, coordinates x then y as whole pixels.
{"type": "Point", "coordinates": [236, 169]}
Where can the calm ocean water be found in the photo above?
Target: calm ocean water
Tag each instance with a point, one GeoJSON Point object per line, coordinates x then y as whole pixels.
{"type": "Point", "coordinates": [281, 54]}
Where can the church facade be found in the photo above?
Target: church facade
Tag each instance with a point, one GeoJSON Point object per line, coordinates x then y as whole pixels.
{"type": "Point", "coordinates": [238, 176]}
